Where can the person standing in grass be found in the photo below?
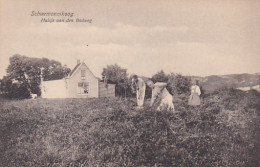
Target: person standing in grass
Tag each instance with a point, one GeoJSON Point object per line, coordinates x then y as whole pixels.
{"type": "Point", "coordinates": [194, 99]}
{"type": "Point", "coordinates": [138, 84]}
{"type": "Point", "coordinates": [160, 92]}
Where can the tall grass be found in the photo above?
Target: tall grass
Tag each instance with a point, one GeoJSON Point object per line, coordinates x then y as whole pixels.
{"type": "Point", "coordinates": [223, 131]}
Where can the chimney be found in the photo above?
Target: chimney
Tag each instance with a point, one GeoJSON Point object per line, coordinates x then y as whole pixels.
{"type": "Point", "coordinates": [78, 62]}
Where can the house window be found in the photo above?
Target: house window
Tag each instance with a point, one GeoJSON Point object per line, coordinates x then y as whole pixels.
{"type": "Point", "coordinates": [83, 74]}
{"type": "Point", "coordinates": [83, 88]}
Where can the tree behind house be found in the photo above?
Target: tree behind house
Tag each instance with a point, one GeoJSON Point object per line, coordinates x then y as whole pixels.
{"type": "Point", "coordinates": [119, 76]}
{"type": "Point", "coordinates": [23, 75]}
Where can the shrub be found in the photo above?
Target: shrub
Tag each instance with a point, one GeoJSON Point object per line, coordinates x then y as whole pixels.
{"type": "Point", "coordinates": [178, 84]}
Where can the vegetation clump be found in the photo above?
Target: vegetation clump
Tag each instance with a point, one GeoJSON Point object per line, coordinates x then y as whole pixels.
{"type": "Point", "coordinates": [223, 131]}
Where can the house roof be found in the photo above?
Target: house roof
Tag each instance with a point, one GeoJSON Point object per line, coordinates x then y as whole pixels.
{"type": "Point", "coordinates": [74, 69]}
{"type": "Point", "coordinates": [77, 67]}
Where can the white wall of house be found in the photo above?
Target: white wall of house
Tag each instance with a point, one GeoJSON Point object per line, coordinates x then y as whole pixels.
{"type": "Point", "coordinates": [76, 78]}
{"type": "Point", "coordinates": [54, 89]}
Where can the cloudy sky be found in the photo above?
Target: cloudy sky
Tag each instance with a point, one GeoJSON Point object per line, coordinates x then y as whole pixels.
{"type": "Point", "coordinates": [188, 37]}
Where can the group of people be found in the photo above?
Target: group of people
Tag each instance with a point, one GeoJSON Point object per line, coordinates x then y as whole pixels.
{"type": "Point", "coordinates": [160, 93]}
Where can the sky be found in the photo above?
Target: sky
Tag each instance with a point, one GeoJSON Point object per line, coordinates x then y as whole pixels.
{"type": "Point", "coordinates": [190, 37]}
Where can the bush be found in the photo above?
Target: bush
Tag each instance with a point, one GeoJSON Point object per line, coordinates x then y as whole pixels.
{"type": "Point", "coordinates": [179, 84]}
{"type": "Point", "coordinates": [160, 77]}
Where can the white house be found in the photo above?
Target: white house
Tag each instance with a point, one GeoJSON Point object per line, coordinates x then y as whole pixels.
{"type": "Point", "coordinates": [80, 83]}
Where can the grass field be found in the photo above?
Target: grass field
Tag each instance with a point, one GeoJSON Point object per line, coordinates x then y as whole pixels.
{"type": "Point", "coordinates": [223, 131]}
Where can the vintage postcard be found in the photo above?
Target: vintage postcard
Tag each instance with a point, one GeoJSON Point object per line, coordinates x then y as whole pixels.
{"type": "Point", "coordinates": [129, 83]}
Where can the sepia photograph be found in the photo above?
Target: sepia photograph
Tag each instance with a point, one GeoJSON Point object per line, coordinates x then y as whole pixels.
{"type": "Point", "coordinates": [130, 83]}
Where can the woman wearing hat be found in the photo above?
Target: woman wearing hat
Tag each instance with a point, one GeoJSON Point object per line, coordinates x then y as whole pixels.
{"type": "Point", "coordinates": [160, 92]}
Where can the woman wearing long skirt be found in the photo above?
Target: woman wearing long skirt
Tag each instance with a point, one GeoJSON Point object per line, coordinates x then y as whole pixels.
{"type": "Point", "coordinates": [194, 99]}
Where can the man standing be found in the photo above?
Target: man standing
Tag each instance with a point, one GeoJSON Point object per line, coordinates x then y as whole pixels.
{"type": "Point", "coordinates": [139, 84]}
{"type": "Point", "coordinates": [159, 91]}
